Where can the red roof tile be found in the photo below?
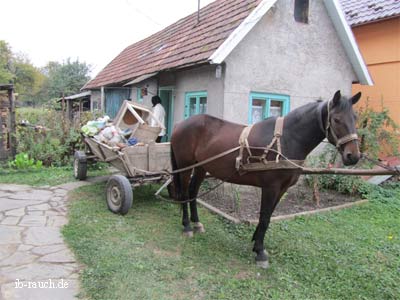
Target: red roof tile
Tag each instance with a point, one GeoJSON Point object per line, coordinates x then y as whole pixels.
{"type": "Point", "coordinates": [360, 12]}
{"type": "Point", "coordinates": [180, 44]}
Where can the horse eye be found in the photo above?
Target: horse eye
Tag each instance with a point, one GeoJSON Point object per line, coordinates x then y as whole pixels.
{"type": "Point", "coordinates": [336, 120]}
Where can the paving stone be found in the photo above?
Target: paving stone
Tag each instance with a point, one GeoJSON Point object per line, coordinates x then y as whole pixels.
{"type": "Point", "coordinates": [18, 259]}
{"type": "Point", "coordinates": [37, 195]}
{"type": "Point", "coordinates": [33, 221]}
{"type": "Point", "coordinates": [41, 236]}
{"type": "Point", "coordinates": [43, 250]}
{"type": "Point", "coordinates": [10, 235]}
{"type": "Point", "coordinates": [11, 292]}
{"type": "Point", "coordinates": [4, 194]}
{"type": "Point", "coordinates": [9, 204]}
{"type": "Point", "coordinates": [35, 271]}
{"type": "Point", "coordinates": [64, 256]}
{"type": "Point", "coordinates": [10, 221]}
{"type": "Point", "coordinates": [56, 221]}
{"type": "Point", "coordinates": [53, 203]}
{"type": "Point", "coordinates": [44, 206]}
{"type": "Point", "coordinates": [36, 213]}
{"type": "Point", "coordinates": [16, 212]}
{"type": "Point", "coordinates": [7, 250]}
{"type": "Point", "coordinates": [14, 187]}
{"type": "Point", "coordinates": [53, 213]}
{"type": "Point", "coordinates": [24, 247]}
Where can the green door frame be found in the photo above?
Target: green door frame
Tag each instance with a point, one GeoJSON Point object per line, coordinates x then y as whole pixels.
{"type": "Point", "coordinates": [170, 109]}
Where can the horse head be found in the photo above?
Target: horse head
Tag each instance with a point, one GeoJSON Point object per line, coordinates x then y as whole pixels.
{"type": "Point", "coordinates": [340, 127]}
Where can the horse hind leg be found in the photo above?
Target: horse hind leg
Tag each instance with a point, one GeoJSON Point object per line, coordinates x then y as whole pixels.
{"type": "Point", "coordinates": [198, 176]}
{"type": "Point", "coordinates": [184, 196]}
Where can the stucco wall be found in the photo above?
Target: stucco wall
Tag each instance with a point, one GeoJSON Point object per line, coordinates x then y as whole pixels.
{"type": "Point", "coordinates": [199, 79]}
{"type": "Point", "coordinates": [305, 61]}
{"type": "Point", "coordinates": [379, 43]}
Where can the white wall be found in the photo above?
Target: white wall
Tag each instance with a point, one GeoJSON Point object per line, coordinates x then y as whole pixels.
{"type": "Point", "coordinates": [305, 61]}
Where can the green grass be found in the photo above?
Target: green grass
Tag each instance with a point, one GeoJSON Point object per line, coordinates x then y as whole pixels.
{"type": "Point", "coordinates": [45, 176]}
{"type": "Point", "coordinates": [349, 254]}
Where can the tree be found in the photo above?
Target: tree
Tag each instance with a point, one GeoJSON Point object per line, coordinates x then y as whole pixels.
{"type": "Point", "coordinates": [6, 76]}
{"type": "Point", "coordinates": [28, 80]}
{"type": "Point", "coordinates": [66, 78]}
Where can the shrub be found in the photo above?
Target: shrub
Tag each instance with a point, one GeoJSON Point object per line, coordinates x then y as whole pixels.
{"type": "Point", "coordinates": [23, 162]}
{"type": "Point", "coordinates": [51, 138]}
{"type": "Point", "coordinates": [378, 132]}
{"type": "Point", "coordinates": [350, 185]}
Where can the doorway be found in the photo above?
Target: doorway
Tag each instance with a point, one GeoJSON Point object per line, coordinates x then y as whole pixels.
{"type": "Point", "coordinates": [167, 101]}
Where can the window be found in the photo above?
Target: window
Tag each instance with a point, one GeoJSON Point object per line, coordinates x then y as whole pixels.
{"type": "Point", "coordinates": [264, 105]}
{"type": "Point", "coordinates": [301, 11]}
{"type": "Point", "coordinates": [195, 103]}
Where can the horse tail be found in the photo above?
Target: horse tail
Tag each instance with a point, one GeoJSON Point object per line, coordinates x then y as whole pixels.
{"type": "Point", "coordinates": [176, 176]}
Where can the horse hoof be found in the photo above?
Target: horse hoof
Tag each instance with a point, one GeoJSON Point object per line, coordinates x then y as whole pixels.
{"type": "Point", "coordinates": [263, 264]}
{"type": "Point", "coordinates": [199, 228]}
{"type": "Point", "coordinates": [188, 234]}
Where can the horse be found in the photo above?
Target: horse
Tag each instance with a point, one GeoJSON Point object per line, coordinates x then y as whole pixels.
{"type": "Point", "coordinates": [201, 137]}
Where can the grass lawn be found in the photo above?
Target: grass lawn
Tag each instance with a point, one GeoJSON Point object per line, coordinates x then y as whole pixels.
{"type": "Point", "coordinates": [348, 254]}
{"type": "Point", "coordinates": [44, 176]}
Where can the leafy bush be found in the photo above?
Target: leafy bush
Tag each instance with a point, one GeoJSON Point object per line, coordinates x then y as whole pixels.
{"type": "Point", "coordinates": [23, 162]}
{"type": "Point", "coordinates": [378, 132]}
{"type": "Point", "coordinates": [350, 185]}
{"type": "Point", "coordinates": [51, 138]}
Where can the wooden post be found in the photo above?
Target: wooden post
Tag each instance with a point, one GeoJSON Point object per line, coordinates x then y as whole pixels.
{"type": "Point", "coordinates": [12, 131]}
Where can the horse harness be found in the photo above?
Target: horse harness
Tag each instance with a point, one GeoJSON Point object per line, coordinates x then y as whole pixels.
{"type": "Point", "coordinates": [260, 163]}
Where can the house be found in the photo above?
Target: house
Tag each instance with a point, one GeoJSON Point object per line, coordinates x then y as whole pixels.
{"type": "Point", "coordinates": [376, 27]}
{"type": "Point", "coordinates": [75, 105]}
{"type": "Point", "coordinates": [242, 60]}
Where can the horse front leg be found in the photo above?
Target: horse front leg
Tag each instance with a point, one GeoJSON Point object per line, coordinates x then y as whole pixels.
{"type": "Point", "coordinates": [269, 200]}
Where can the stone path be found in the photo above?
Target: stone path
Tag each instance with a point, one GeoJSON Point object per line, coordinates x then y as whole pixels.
{"type": "Point", "coordinates": [35, 263]}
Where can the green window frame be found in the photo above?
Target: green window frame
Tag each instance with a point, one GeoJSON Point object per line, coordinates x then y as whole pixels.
{"type": "Point", "coordinates": [195, 103]}
{"type": "Point", "coordinates": [265, 105]}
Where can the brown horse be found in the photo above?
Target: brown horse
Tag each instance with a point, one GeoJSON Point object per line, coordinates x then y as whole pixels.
{"type": "Point", "coordinates": [202, 136]}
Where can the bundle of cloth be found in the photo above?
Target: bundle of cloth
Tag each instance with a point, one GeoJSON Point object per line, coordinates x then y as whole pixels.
{"type": "Point", "coordinates": [105, 132]}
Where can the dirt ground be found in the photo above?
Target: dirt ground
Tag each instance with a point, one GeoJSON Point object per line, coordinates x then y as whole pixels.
{"type": "Point", "coordinates": [244, 204]}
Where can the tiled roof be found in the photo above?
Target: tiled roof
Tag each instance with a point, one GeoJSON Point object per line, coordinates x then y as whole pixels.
{"type": "Point", "coordinates": [181, 44]}
{"type": "Point", "coordinates": [366, 11]}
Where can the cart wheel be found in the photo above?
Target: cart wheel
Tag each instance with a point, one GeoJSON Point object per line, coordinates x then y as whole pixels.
{"type": "Point", "coordinates": [80, 165]}
{"type": "Point", "coordinates": [119, 194]}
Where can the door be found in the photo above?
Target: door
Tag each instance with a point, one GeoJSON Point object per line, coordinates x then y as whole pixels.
{"type": "Point", "coordinates": [167, 101]}
{"type": "Point", "coordinates": [114, 99]}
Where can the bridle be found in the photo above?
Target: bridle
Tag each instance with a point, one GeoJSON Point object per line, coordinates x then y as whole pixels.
{"type": "Point", "coordinates": [328, 129]}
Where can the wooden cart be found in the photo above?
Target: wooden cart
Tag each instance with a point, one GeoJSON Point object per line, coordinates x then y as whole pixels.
{"type": "Point", "coordinates": [147, 162]}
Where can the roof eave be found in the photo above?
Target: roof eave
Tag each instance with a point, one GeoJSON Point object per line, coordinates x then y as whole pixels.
{"type": "Point", "coordinates": [349, 42]}
{"type": "Point", "coordinates": [240, 32]}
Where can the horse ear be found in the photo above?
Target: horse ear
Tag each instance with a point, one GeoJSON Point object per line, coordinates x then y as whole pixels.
{"type": "Point", "coordinates": [336, 98]}
{"type": "Point", "coordinates": [355, 98]}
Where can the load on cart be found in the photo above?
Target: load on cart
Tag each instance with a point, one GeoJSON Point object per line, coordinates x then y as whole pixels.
{"type": "Point", "coordinates": [128, 144]}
